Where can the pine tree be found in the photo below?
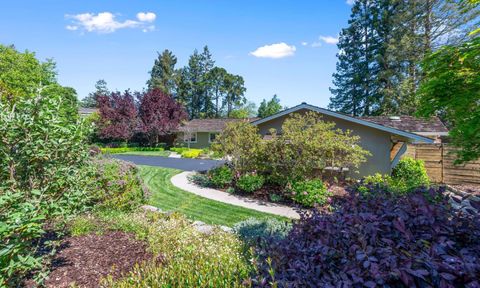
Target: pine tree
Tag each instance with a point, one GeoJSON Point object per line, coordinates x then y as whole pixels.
{"type": "Point", "coordinates": [90, 101]}
{"type": "Point", "coordinates": [162, 75]}
{"type": "Point", "coordinates": [269, 108]}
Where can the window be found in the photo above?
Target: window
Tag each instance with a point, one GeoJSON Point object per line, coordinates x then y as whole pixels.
{"type": "Point", "coordinates": [190, 137]}
{"type": "Point", "coordinates": [212, 137]}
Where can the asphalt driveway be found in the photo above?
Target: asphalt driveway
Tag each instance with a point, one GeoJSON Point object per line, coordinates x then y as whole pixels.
{"type": "Point", "coordinates": [185, 164]}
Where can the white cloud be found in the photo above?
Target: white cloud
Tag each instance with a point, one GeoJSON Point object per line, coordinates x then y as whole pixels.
{"type": "Point", "coordinates": [105, 22]}
{"type": "Point", "coordinates": [304, 43]}
{"type": "Point", "coordinates": [350, 2]}
{"type": "Point", "coordinates": [146, 17]}
{"type": "Point", "coordinates": [329, 39]}
{"type": "Point", "coordinates": [275, 51]}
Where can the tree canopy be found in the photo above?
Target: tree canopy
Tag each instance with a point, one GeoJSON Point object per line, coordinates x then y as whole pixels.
{"type": "Point", "coordinates": [269, 108]}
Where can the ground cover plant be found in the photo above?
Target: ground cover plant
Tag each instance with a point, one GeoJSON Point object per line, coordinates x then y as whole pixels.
{"type": "Point", "coordinates": [170, 198]}
{"type": "Point", "coordinates": [378, 241]}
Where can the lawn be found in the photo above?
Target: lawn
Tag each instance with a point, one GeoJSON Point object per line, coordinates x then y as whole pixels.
{"type": "Point", "coordinates": [147, 153]}
{"type": "Point", "coordinates": [170, 198]}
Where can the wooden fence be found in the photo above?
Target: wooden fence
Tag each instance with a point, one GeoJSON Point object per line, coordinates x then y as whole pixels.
{"type": "Point", "coordinates": [439, 164]}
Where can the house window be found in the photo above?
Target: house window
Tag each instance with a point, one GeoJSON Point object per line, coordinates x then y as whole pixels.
{"type": "Point", "coordinates": [212, 137]}
{"type": "Point", "coordinates": [190, 137]}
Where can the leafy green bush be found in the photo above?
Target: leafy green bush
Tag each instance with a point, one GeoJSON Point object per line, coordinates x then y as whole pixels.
{"type": "Point", "coordinates": [117, 185]}
{"type": "Point", "coordinates": [250, 182]}
{"type": "Point", "coordinates": [179, 150]}
{"type": "Point", "coordinates": [253, 230]}
{"type": "Point", "coordinates": [191, 153]}
{"type": "Point", "coordinates": [411, 172]}
{"type": "Point", "coordinates": [44, 175]}
{"type": "Point", "coordinates": [200, 179]}
{"type": "Point", "coordinates": [116, 150]}
{"type": "Point", "coordinates": [220, 177]}
{"type": "Point", "coordinates": [310, 192]}
{"type": "Point", "coordinates": [189, 258]}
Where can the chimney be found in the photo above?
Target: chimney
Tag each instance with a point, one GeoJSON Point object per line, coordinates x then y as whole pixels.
{"type": "Point", "coordinates": [394, 118]}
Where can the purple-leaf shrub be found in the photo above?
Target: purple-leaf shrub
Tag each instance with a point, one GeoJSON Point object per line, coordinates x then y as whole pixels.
{"type": "Point", "coordinates": [379, 242]}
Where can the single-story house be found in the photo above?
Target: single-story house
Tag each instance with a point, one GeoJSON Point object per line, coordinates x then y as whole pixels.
{"type": "Point", "coordinates": [85, 112]}
{"type": "Point", "coordinates": [385, 137]}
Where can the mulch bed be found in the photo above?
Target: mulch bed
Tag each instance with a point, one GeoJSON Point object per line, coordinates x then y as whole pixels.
{"type": "Point", "coordinates": [84, 260]}
{"type": "Point", "coordinates": [468, 188]}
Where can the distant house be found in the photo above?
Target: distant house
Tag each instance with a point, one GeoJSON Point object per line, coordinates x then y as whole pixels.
{"type": "Point", "coordinates": [85, 112]}
{"type": "Point", "coordinates": [385, 137]}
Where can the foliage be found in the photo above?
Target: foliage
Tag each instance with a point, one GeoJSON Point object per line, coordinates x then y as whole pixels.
{"type": "Point", "coordinates": [379, 242]}
{"type": "Point", "coordinates": [253, 230]}
{"type": "Point", "coordinates": [242, 142]}
{"type": "Point", "coordinates": [308, 145]}
{"type": "Point", "coordinates": [43, 175]}
{"type": "Point", "coordinates": [191, 153]}
{"type": "Point", "coordinates": [220, 177]}
{"type": "Point", "coordinates": [244, 111]}
{"type": "Point", "coordinates": [185, 257]}
{"type": "Point", "coordinates": [412, 172]}
{"type": "Point", "coordinates": [117, 185]}
{"type": "Point", "coordinates": [22, 75]}
{"type": "Point", "coordinates": [116, 150]}
{"type": "Point", "coordinates": [90, 101]}
{"type": "Point", "coordinates": [201, 180]}
{"type": "Point", "coordinates": [452, 87]}
{"type": "Point", "coordinates": [159, 114]}
{"type": "Point", "coordinates": [250, 182]}
{"type": "Point", "coordinates": [269, 108]}
{"type": "Point", "coordinates": [310, 192]}
{"type": "Point", "coordinates": [118, 116]}
{"type": "Point", "coordinates": [163, 73]}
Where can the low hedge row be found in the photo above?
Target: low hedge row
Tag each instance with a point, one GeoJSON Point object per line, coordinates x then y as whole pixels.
{"type": "Point", "coordinates": [117, 150]}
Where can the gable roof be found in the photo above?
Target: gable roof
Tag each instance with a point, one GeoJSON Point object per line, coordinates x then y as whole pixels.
{"type": "Point", "coordinates": [360, 121]}
{"type": "Point", "coordinates": [422, 126]}
{"type": "Point", "coordinates": [209, 125]}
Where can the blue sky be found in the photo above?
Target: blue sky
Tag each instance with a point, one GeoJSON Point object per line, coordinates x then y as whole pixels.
{"type": "Point", "coordinates": [120, 45]}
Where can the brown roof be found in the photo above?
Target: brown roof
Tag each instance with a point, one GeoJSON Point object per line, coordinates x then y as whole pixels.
{"type": "Point", "coordinates": [209, 125]}
{"type": "Point", "coordinates": [409, 123]}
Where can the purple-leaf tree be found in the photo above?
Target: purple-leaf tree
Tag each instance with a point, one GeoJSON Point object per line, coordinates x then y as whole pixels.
{"type": "Point", "coordinates": [159, 114]}
{"type": "Point", "coordinates": [118, 116]}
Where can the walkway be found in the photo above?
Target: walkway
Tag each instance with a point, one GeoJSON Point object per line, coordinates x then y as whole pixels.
{"type": "Point", "coordinates": [181, 181]}
{"type": "Point", "coordinates": [185, 164]}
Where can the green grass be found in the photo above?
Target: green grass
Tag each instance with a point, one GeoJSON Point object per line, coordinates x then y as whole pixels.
{"type": "Point", "coordinates": [170, 198]}
{"type": "Point", "coordinates": [147, 153]}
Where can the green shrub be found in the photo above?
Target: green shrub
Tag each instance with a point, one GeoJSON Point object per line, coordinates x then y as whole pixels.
{"type": "Point", "coordinates": [200, 179]}
{"type": "Point", "coordinates": [252, 229]}
{"type": "Point", "coordinates": [189, 258]}
{"type": "Point", "coordinates": [117, 150]}
{"type": "Point", "coordinates": [250, 182]}
{"type": "Point", "coordinates": [191, 153]}
{"type": "Point", "coordinates": [44, 175]}
{"type": "Point", "coordinates": [275, 198]}
{"type": "Point", "coordinates": [220, 177]}
{"type": "Point", "coordinates": [179, 150]}
{"type": "Point", "coordinates": [310, 192]}
{"type": "Point", "coordinates": [117, 185]}
{"type": "Point", "coordinates": [411, 173]}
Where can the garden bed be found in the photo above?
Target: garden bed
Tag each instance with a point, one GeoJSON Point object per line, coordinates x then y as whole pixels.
{"type": "Point", "coordinates": [84, 260]}
{"type": "Point", "coordinates": [468, 188]}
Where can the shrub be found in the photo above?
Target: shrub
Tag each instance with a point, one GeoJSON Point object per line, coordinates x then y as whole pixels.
{"type": "Point", "coordinates": [220, 177]}
{"type": "Point", "coordinates": [200, 179]}
{"type": "Point", "coordinates": [44, 175]}
{"type": "Point", "coordinates": [379, 241]}
{"type": "Point", "coordinates": [253, 230]}
{"type": "Point", "coordinates": [189, 258]}
{"type": "Point", "coordinates": [250, 182]}
{"type": "Point", "coordinates": [191, 153]}
{"type": "Point", "coordinates": [117, 185]}
{"type": "Point", "coordinates": [116, 150]}
{"type": "Point", "coordinates": [411, 172]}
{"type": "Point", "coordinates": [310, 192]}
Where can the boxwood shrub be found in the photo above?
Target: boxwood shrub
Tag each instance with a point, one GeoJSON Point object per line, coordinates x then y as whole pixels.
{"type": "Point", "coordinates": [310, 192]}
{"type": "Point", "coordinates": [250, 182]}
{"type": "Point", "coordinates": [379, 241]}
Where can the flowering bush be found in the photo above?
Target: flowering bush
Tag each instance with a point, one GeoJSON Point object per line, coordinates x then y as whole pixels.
{"type": "Point", "coordinates": [117, 185]}
{"type": "Point", "coordinates": [220, 177]}
{"type": "Point", "coordinates": [310, 192]}
{"type": "Point", "coordinates": [379, 242]}
{"type": "Point", "coordinates": [250, 182]}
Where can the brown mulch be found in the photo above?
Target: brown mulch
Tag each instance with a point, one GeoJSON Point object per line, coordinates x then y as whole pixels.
{"type": "Point", "coordinates": [468, 188]}
{"type": "Point", "coordinates": [84, 260]}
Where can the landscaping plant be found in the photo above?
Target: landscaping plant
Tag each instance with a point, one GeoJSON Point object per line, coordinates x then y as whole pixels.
{"type": "Point", "coordinates": [220, 177]}
{"type": "Point", "coordinates": [310, 192]}
{"type": "Point", "coordinates": [250, 182]}
{"type": "Point", "coordinates": [378, 242]}
{"type": "Point", "coordinates": [254, 230]}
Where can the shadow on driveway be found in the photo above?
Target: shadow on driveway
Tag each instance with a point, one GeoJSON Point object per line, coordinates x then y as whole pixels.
{"type": "Point", "coordinates": [184, 164]}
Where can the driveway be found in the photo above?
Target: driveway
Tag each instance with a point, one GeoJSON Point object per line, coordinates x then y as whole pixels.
{"type": "Point", "coordinates": [185, 164]}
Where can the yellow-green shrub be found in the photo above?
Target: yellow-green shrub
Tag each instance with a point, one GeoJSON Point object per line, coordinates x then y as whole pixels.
{"type": "Point", "coordinates": [191, 153]}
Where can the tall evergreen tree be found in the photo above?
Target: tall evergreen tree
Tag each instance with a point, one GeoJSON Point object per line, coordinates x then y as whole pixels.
{"type": "Point", "coordinates": [91, 101]}
{"type": "Point", "coordinates": [269, 108]}
{"type": "Point", "coordinates": [162, 75]}
{"type": "Point", "coordinates": [235, 92]}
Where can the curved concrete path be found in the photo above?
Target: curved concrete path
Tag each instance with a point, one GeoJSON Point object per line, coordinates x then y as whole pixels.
{"type": "Point", "coordinates": [181, 181]}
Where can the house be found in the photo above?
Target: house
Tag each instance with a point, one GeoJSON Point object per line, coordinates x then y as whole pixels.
{"type": "Point", "coordinates": [385, 137]}
{"type": "Point", "coordinates": [200, 133]}
{"type": "Point", "coordinates": [85, 112]}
